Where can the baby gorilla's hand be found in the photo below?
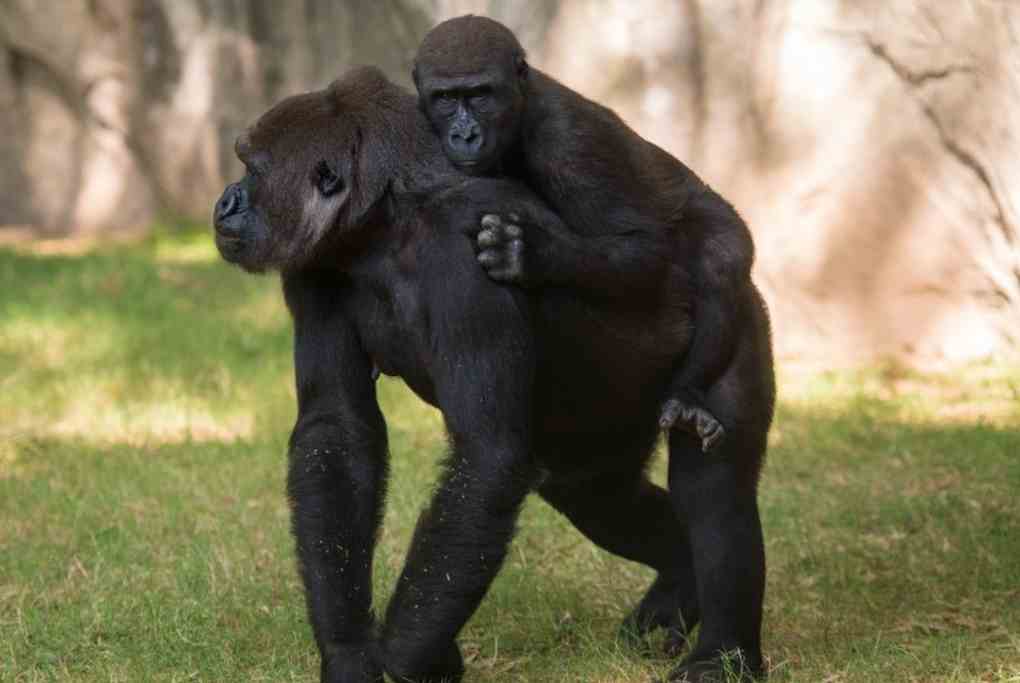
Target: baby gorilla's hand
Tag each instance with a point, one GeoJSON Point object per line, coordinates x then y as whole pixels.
{"type": "Point", "coordinates": [500, 248]}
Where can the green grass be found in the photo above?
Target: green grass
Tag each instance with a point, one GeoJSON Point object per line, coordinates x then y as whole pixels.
{"type": "Point", "coordinates": [145, 401]}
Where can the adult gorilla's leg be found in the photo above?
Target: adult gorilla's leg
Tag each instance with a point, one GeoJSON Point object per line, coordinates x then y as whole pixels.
{"type": "Point", "coordinates": [631, 517]}
{"type": "Point", "coordinates": [459, 545]}
{"type": "Point", "coordinates": [336, 480]}
{"type": "Point", "coordinates": [716, 495]}
{"type": "Point", "coordinates": [484, 382]}
{"type": "Point", "coordinates": [728, 552]}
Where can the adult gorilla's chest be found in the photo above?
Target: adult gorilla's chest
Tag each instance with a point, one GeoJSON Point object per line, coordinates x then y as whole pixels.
{"type": "Point", "coordinates": [385, 300]}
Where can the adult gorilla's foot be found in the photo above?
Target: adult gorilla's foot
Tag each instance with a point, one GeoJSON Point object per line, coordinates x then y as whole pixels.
{"type": "Point", "coordinates": [728, 667]}
{"type": "Point", "coordinates": [352, 663]}
{"type": "Point", "coordinates": [669, 604]}
{"type": "Point", "coordinates": [424, 667]}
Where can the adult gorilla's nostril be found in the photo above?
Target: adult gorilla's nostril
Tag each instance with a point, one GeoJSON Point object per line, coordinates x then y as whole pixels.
{"type": "Point", "coordinates": [229, 204]}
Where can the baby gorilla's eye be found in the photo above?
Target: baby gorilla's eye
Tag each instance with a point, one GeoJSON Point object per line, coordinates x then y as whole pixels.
{"type": "Point", "coordinates": [480, 98]}
{"type": "Point", "coordinates": [444, 101]}
{"type": "Point", "coordinates": [327, 181]}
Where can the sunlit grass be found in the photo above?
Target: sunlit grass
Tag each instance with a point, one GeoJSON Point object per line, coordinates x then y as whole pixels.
{"type": "Point", "coordinates": [145, 401]}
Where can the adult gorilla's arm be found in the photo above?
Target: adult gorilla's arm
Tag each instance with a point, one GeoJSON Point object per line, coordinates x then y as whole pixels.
{"type": "Point", "coordinates": [483, 368]}
{"type": "Point", "coordinates": [336, 477]}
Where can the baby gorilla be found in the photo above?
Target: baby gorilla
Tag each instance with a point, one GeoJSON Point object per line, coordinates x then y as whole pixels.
{"type": "Point", "coordinates": [641, 227]}
{"type": "Point", "coordinates": [631, 207]}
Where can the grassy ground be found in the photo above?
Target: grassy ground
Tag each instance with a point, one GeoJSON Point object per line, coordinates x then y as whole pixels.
{"type": "Point", "coordinates": [145, 395]}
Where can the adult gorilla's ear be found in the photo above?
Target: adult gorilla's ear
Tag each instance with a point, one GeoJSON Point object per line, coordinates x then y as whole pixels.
{"type": "Point", "coordinates": [371, 172]}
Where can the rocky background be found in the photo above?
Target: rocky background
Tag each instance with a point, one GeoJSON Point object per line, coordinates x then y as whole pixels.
{"type": "Point", "coordinates": [873, 145]}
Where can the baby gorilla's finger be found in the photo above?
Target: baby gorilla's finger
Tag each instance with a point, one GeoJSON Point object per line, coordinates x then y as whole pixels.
{"type": "Point", "coordinates": [491, 221]}
{"type": "Point", "coordinates": [489, 237]}
{"type": "Point", "coordinates": [490, 258]}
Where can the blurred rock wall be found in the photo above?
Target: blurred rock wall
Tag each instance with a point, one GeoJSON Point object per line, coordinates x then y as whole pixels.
{"type": "Point", "coordinates": [872, 144]}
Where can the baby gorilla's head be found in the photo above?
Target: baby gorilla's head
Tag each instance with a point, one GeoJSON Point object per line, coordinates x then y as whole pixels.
{"type": "Point", "coordinates": [471, 76]}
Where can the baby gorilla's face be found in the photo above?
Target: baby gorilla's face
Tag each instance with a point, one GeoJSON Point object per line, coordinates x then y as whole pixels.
{"type": "Point", "coordinates": [475, 115]}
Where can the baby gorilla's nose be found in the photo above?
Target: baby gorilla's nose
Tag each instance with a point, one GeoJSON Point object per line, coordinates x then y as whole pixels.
{"type": "Point", "coordinates": [467, 135]}
{"type": "Point", "coordinates": [466, 138]}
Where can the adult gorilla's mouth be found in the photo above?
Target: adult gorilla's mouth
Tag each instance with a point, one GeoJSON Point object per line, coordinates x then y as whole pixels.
{"type": "Point", "coordinates": [230, 248]}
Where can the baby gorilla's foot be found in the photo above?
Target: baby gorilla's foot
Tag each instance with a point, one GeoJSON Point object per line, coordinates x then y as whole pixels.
{"type": "Point", "coordinates": [677, 414]}
{"type": "Point", "coordinates": [500, 249]}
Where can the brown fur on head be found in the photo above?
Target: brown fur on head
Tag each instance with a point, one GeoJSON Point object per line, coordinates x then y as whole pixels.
{"type": "Point", "coordinates": [467, 45]}
{"type": "Point", "coordinates": [315, 165]}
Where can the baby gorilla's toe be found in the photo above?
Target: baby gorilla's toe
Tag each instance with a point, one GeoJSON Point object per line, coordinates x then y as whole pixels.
{"type": "Point", "coordinates": [695, 420]}
{"type": "Point", "coordinates": [670, 413]}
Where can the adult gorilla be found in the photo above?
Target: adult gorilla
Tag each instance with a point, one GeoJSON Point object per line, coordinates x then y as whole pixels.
{"type": "Point", "coordinates": [349, 196]}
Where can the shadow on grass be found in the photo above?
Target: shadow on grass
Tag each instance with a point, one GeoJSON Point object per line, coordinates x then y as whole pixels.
{"type": "Point", "coordinates": [891, 535]}
{"type": "Point", "coordinates": [124, 336]}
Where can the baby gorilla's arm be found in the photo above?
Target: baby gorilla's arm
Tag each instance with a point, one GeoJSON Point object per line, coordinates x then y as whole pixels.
{"type": "Point", "coordinates": [537, 250]}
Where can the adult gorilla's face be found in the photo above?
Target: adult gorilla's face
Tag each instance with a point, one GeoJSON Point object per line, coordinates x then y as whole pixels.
{"type": "Point", "coordinates": [292, 193]}
{"type": "Point", "coordinates": [305, 176]}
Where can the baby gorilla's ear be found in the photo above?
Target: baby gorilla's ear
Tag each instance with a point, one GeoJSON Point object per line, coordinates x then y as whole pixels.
{"type": "Point", "coordinates": [327, 179]}
{"type": "Point", "coordinates": [522, 66]}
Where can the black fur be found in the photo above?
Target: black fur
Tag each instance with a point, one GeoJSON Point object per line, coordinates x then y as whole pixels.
{"type": "Point", "coordinates": [552, 393]}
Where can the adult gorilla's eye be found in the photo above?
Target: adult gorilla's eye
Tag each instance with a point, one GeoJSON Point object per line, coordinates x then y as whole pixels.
{"type": "Point", "coordinates": [326, 179]}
